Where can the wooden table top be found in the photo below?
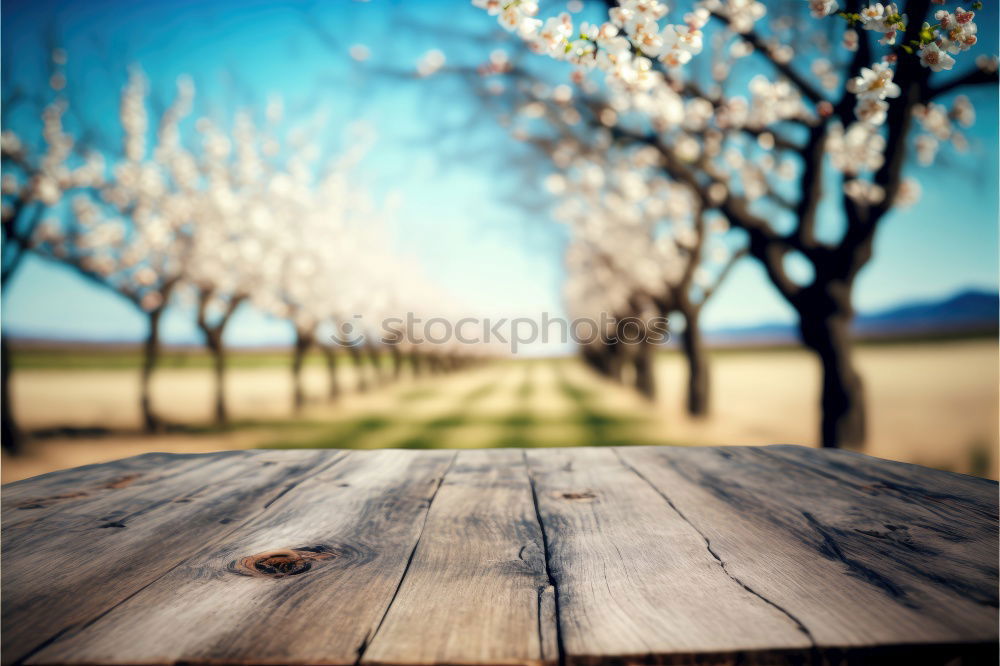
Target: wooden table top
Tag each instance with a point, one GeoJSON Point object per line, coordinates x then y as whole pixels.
{"type": "Point", "coordinates": [588, 555]}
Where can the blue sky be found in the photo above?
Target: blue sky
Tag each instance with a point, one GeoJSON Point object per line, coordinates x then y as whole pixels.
{"type": "Point", "coordinates": [479, 248]}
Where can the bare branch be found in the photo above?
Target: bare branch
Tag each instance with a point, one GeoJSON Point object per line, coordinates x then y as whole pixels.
{"type": "Point", "coordinates": [726, 270]}
{"type": "Point", "coordinates": [973, 77]}
{"type": "Point", "coordinates": [752, 38]}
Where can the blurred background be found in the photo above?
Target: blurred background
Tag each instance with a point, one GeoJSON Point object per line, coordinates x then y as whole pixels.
{"type": "Point", "coordinates": [207, 206]}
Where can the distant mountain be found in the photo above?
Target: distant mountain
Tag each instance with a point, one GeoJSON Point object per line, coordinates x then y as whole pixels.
{"type": "Point", "coordinates": [967, 312]}
{"type": "Point", "coordinates": [970, 312]}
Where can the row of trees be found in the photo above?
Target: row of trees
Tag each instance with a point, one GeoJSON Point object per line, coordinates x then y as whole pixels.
{"type": "Point", "coordinates": [793, 130]}
{"type": "Point", "coordinates": [253, 212]}
{"type": "Point", "coordinates": [641, 248]}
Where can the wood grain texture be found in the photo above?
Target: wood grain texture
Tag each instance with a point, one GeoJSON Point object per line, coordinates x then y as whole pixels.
{"type": "Point", "coordinates": [355, 523]}
{"type": "Point", "coordinates": [856, 557]}
{"type": "Point", "coordinates": [635, 580]}
{"type": "Point", "coordinates": [772, 555]}
{"type": "Point", "coordinates": [30, 500]}
{"type": "Point", "coordinates": [64, 572]}
{"type": "Point", "coordinates": [476, 591]}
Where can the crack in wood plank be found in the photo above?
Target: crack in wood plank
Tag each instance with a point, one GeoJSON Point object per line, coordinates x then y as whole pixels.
{"type": "Point", "coordinates": [476, 590]}
{"type": "Point", "coordinates": [561, 652]}
{"type": "Point", "coordinates": [750, 502]}
{"type": "Point", "coordinates": [636, 581]}
{"type": "Point", "coordinates": [409, 561]}
{"type": "Point", "coordinates": [708, 545]}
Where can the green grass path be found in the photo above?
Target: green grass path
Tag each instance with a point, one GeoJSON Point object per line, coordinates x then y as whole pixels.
{"type": "Point", "coordinates": [512, 404]}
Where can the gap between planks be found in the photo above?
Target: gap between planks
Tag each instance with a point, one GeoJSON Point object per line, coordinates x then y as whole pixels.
{"type": "Point", "coordinates": [395, 488]}
{"type": "Point", "coordinates": [409, 561]}
{"type": "Point", "coordinates": [542, 634]}
{"type": "Point", "coordinates": [507, 485]}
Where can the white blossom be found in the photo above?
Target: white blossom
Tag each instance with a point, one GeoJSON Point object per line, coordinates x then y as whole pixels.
{"type": "Point", "coordinates": [430, 62]}
{"type": "Point", "coordinates": [908, 194]}
{"type": "Point", "coordinates": [858, 149]}
{"type": "Point", "coordinates": [958, 31]}
{"type": "Point", "coordinates": [874, 83]}
{"type": "Point", "coordinates": [871, 110]}
{"type": "Point", "coordinates": [822, 8]}
{"type": "Point", "coordinates": [933, 57]}
{"type": "Point", "coordinates": [742, 14]}
{"type": "Point", "coordinates": [864, 192]}
{"type": "Point", "coordinates": [850, 40]}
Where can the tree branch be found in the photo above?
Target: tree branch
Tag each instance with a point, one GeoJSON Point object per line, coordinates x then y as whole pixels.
{"type": "Point", "coordinates": [726, 270]}
{"type": "Point", "coordinates": [694, 257]}
{"type": "Point", "coordinates": [862, 58]}
{"type": "Point", "coordinates": [811, 185]}
{"type": "Point", "coordinates": [752, 38]}
{"type": "Point", "coordinates": [972, 77]}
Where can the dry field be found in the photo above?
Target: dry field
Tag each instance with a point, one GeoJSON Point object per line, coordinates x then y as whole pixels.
{"type": "Point", "coordinates": [934, 404]}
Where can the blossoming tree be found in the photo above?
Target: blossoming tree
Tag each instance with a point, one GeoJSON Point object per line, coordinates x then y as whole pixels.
{"type": "Point", "coordinates": [845, 116]}
{"type": "Point", "coordinates": [38, 173]}
{"type": "Point", "coordinates": [134, 233]}
{"type": "Point", "coordinates": [228, 260]}
{"type": "Point", "coordinates": [643, 247]}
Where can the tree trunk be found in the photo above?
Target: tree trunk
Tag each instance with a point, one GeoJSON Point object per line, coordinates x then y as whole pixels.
{"type": "Point", "coordinates": [634, 350]}
{"type": "Point", "coordinates": [219, 358]}
{"type": "Point", "coordinates": [359, 366]}
{"type": "Point", "coordinates": [397, 361]}
{"type": "Point", "coordinates": [613, 360]}
{"type": "Point", "coordinates": [416, 363]}
{"type": "Point", "coordinates": [605, 358]}
{"type": "Point", "coordinates": [643, 361]}
{"type": "Point", "coordinates": [11, 435]}
{"type": "Point", "coordinates": [375, 358]}
{"type": "Point", "coordinates": [433, 363]}
{"type": "Point", "coordinates": [825, 326]}
{"type": "Point", "coordinates": [591, 357]}
{"type": "Point", "coordinates": [331, 368]}
{"type": "Point", "coordinates": [214, 341]}
{"type": "Point", "coordinates": [697, 361]}
{"type": "Point", "coordinates": [302, 343]}
{"type": "Point", "coordinates": [151, 354]}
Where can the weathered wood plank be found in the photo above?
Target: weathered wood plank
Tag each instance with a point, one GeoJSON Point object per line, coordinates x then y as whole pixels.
{"type": "Point", "coordinates": [476, 591]}
{"type": "Point", "coordinates": [635, 581]}
{"type": "Point", "coordinates": [56, 504]}
{"type": "Point", "coordinates": [84, 474]}
{"type": "Point", "coordinates": [37, 497]}
{"type": "Point", "coordinates": [860, 560]}
{"type": "Point", "coordinates": [915, 484]}
{"type": "Point", "coordinates": [65, 572]}
{"type": "Point", "coordinates": [306, 581]}
{"type": "Point", "coordinates": [669, 555]}
{"type": "Point", "coordinates": [108, 498]}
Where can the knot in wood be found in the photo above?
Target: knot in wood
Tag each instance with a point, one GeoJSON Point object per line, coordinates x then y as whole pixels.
{"type": "Point", "coordinates": [280, 563]}
{"type": "Point", "coordinates": [579, 495]}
